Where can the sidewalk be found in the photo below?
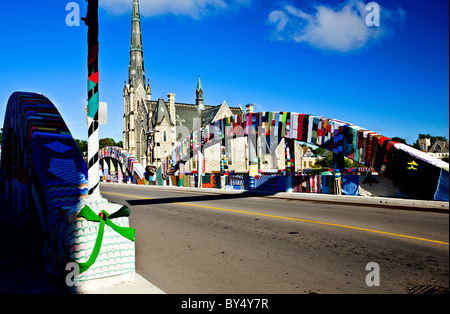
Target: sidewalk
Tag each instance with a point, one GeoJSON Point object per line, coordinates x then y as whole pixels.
{"type": "Point", "coordinates": [138, 286]}
{"type": "Point", "coordinates": [22, 270]}
{"type": "Point", "coordinates": [387, 202]}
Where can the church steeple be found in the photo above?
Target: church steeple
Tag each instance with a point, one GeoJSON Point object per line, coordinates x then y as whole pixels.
{"type": "Point", "coordinates": [136, 70]}
{"type": "Point", "coordinates": [199, 94]}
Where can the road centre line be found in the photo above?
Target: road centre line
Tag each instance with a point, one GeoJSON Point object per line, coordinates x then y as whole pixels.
{"type": "Point", "coordinates": [289, 218]}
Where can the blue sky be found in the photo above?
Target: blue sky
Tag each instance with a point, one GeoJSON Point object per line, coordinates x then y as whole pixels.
{"type": "Point", "coordinates": [309, 56]}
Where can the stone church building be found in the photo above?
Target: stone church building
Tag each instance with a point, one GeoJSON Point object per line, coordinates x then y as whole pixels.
{"type": "Point", "coordinates": [152, 128]}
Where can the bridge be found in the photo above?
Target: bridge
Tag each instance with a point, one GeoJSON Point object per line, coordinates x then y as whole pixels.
{"type": "Point", "coordinates": [44, 176]}
{"type": "Point", "coordinates": [125, 160]}
{"type": "Point", "coordinates": [415, 173]}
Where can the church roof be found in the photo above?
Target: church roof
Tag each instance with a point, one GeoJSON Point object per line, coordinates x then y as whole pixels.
{"type": "Point", "coordinates": [209, 114]}
{"type": "Point", "coordinates": [440, 147]}
{"type": "Point", "coordinates": [187, 115]}
{"type": "Point", "coordinates": [159, 112]}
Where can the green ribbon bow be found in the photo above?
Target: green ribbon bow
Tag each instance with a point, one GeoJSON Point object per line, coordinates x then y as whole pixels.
{"type": "Point", "coordinates": [104, 218]}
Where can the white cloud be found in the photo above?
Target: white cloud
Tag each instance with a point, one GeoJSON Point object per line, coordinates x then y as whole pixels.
{"type": "Point", "coordinates": [279, 18]}
{"type": "Point", "coordinates": [193, 8]}
{"type": "Point", "coordinates": [342, 28]}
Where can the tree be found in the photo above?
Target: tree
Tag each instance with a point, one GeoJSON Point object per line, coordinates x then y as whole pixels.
{"type": "Point", "coordinates": [399, 139]}
{"type": "Point", "coordinates": [433, 139]}
{"type": "Point", "coordinates": [327, 161]}
{"type": "Point", "coordinates": [104, 142]}
{"type": "Point", "coordinates": [319, 151]}
{"type": "Point", "coordinates": [82, 146]}
{"type": "Point", "coordinates": [424, 136]}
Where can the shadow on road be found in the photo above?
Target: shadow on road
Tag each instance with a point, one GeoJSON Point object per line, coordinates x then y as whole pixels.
{"type": "Point", "coordinates": [318, 198]}
{"type": "Point", "coordinates": [198, 198]}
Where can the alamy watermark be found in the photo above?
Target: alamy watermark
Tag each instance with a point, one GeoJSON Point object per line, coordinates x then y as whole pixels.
{"type": "Point", "coordinates": [373, 17]}
{"type": "Point", "coordinates": [74, 271]}
{"type": "Point", "coordinates": [373, 277]}
{"type": "Point", "coordinates": [73, 17]}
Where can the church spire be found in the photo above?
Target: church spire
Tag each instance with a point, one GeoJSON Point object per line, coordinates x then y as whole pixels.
{"type": "Point", "coordinates": [136, 70]}
{"type": "Point", "coordinates": [199, 94]}
{"type": "Point", "coordinates": [199, 91]}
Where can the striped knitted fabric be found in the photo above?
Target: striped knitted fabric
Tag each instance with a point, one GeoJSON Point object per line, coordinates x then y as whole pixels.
{"type": "Point", "coordinates": [117, 253]}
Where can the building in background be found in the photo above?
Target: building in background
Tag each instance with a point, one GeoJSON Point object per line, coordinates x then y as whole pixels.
{"type": "Point", "coordinates": [152, 128]}
{"type": "Point", "coordinates": [434, 147]}
{"type": "Point", "coordinates": [439, 149]}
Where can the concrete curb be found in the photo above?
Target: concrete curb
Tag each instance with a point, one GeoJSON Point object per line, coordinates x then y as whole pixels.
{"type": "Point", "coordinates": [316, 197]}
{"type": "Point", "coordinates": [139, 285]}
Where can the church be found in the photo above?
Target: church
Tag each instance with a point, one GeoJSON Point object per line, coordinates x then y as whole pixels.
{"type": "Point", "coordinates": [153, 128]}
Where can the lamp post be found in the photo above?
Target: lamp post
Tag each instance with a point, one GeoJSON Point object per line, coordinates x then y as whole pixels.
{"type": "Point", "coordinates": [150, 146]}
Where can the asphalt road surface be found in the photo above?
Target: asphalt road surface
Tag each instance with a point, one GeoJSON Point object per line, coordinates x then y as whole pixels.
{"type": "Point", "coordinates": [207, 243]}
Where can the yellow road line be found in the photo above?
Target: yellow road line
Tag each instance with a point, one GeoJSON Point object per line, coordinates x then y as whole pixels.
{"type": "Point", "coordinates": [290, 218]}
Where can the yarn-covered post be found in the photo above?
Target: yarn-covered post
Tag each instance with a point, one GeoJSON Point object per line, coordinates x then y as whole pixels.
{"type": "Point", "coordinates": [93, 99]}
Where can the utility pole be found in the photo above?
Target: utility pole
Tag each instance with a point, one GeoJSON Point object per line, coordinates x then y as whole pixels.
{"type": "Point", "coordinates": [91, 21]}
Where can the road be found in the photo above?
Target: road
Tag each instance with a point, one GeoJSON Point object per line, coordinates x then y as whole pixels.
{"type": "Point", "coordinates": [202, 242]}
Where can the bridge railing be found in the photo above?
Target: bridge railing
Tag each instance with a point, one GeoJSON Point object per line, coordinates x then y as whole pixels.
{"type": "Point", "coordinates": [45, 176]}
{"type": "Point", "coordinates": [424, 180]}
{"type": "Point", "coordinates": [132, 165]}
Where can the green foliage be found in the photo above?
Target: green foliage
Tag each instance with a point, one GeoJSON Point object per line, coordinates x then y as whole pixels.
{"type": "Point", "coordinates": [104, 142]}
{"type": "Point", "coordinates": [327, 162]}
{"type": "Point", "coordinates": [423, 136]}
{"type": "Point", "coordinates": [82, 146]}
{"type": "Point", "coordinates": [399, 139]}
{"type": "Point", "coordinates": [433, 139]}
{"type": "Point", "coordinates": [319, 151]}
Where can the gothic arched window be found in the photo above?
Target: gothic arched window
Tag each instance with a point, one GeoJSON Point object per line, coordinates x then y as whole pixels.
{"type": "Point", "coordinates": [165, 137]}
